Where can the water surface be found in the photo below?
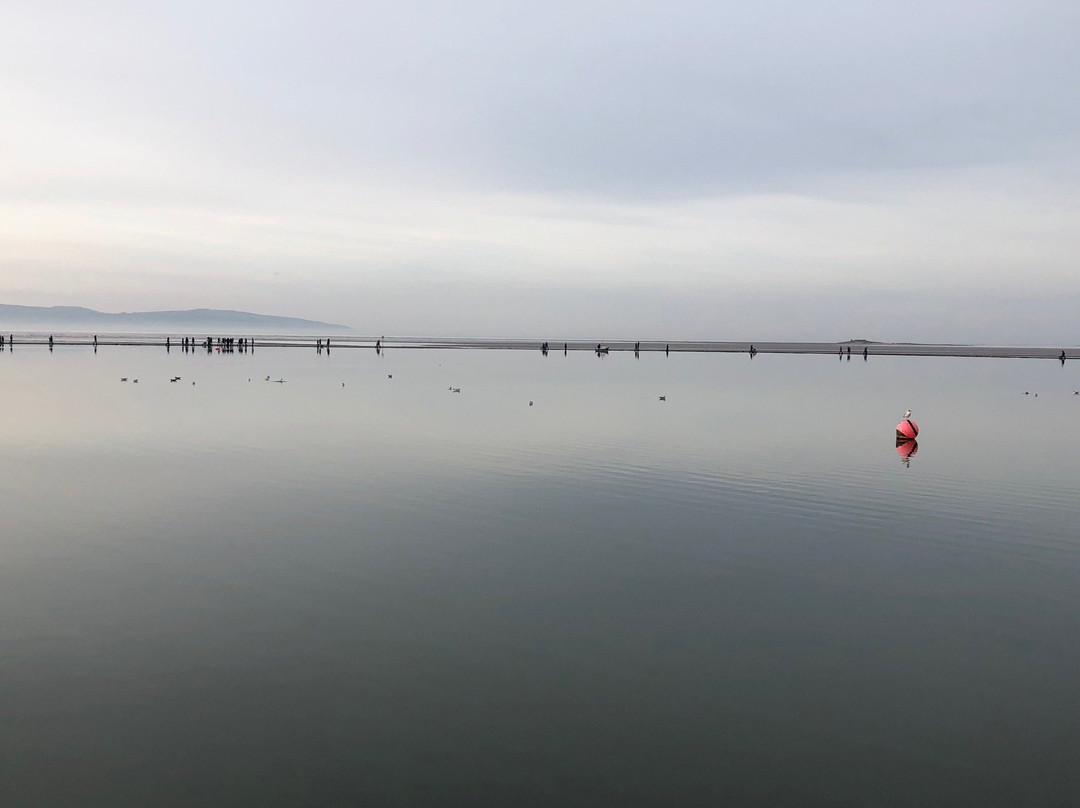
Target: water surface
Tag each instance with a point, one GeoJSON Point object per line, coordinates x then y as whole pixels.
{"type": "Point", "coordinates": [351, 589]}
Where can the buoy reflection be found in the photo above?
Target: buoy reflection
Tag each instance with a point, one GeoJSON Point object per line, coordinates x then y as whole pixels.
{"type": "Point", "coordinates": [907, 448]}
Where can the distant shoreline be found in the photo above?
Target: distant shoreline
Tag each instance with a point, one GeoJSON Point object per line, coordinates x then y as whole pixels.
{"type": "Point", "coordinates": [312, 342]}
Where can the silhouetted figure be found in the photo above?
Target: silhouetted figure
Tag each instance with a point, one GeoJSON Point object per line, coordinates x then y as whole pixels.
{"type": "Point", "coordinates": [564, 349]}
{"type": "Point", "coordinates": [1062, 357]}
{"type": "Point", "coordinates": [865, 353]}
{"type": "Point", "coordinates": [50, 341]}
{"type": "Point", "coordinates": [753, 351]}
{"type": "Point", "coordinates": [840, 350]}
{"type": "Point", "coordinates": [849, 350]}
{"type": "Point", "coordinates": [168, 346]}
{"type": "Point", "coordinates": [95, 340]}
{"type": "Point", "coordinates": [667, 349]}
{"type": "Point", "coordinates": [378, 345]}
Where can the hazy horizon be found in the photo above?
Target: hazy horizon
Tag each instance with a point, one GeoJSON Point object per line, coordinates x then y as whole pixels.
{"type": "Point", "coordinates": [693, 171]}
{"type": "Point", "coordinates": [739, 330]}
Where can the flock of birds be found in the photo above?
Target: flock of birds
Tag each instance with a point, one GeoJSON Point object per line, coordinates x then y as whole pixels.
{"type": "Point", "coordinates": [174, 379]}
{"type": "Point", "coordinates": [453, 389]}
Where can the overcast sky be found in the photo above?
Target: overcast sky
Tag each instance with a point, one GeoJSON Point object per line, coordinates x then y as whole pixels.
{"type": "Point", "coordinates": [765, 170]}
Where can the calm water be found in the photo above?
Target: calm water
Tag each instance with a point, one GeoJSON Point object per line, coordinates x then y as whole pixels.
{"type": "Point", "coordinates": [245, 593]}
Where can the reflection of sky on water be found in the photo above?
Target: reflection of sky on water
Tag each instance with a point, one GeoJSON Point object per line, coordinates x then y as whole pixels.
{"type": "Point", "coordinates": [810, 434]}
{"type": "Point", "coordinates": [739, 574]}
{"type": "Point", "coordinates": [723, 410]}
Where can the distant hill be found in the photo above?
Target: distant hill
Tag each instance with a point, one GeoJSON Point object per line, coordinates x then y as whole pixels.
{"type": "Point", "coordinates": [76, 318]}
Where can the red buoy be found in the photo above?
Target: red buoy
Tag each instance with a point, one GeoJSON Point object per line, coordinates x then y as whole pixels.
{"type": "Point", "coordinates": [907, 429]}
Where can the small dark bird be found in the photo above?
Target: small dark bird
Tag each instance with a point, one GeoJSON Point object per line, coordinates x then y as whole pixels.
{"type": "Point", "coordinates": [134, 381]}
{"type": "Point", "coordinates": [389, 375]}
{"type": "Point", "coordinates": [455, 389]}
{"type": "Point", "coordinates": [663, 398]}
{"type": "Point", "coordinates": [123, 378]}
{"type": "Point", "coordinates": [530, 403]}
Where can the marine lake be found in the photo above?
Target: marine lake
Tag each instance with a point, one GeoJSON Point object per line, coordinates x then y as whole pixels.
{"type": "Point", "coordinates": [349, 589]}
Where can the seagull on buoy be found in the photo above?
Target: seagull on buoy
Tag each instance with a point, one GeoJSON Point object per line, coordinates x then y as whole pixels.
{"type": "Point", "coordinates": [907, 414]}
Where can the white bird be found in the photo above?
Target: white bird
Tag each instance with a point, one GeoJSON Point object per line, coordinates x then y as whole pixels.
{"type": "Point", "coordinates": [907, 414]}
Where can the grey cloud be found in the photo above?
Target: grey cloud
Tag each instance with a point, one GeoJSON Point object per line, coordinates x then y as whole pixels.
{"type": "Point", "coordinates": [623, 98]}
